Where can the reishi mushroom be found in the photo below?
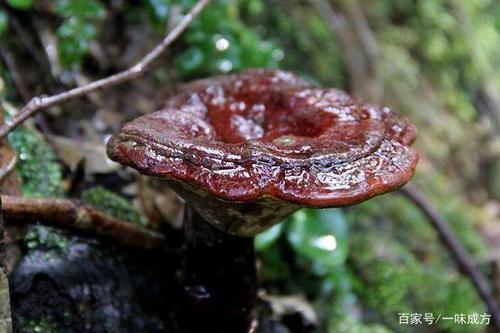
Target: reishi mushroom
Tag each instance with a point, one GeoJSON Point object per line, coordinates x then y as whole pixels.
{"type": "Point", "coordinates": [245, 151]}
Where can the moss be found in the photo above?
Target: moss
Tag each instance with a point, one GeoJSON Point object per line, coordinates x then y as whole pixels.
{"type": "Point", "coordinates": [40, 325]}
{"type": "Point", "coordinates": [386, 273]}
{"type": "Point", "coordinates": [338, 307]}
{"type": "Point", "coordinates": [404, 222]}
{"type": "Point", "coordinates": [349, 325]}
{"type": "Point", "coordinates": [41, 176]}
{"type": "Point", "coordinates": [391, 280]}
{"type": "Point", "coordinates": [112, 204]}
{"type": "Point", "coordinates": [37, 166]}
{"type": "Point", "coordinates": [47, 239]}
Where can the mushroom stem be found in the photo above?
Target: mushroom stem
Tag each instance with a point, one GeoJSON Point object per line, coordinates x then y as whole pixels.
{"type": "Point", "coordinates": [219, 278]}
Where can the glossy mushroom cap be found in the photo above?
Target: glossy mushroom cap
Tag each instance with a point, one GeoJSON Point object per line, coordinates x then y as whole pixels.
{"type": "Point", "coordinates": [248, 149]}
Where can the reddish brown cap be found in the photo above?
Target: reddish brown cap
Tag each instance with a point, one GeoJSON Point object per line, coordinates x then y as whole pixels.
{"type": "Point", "coordinates": [268, 134]}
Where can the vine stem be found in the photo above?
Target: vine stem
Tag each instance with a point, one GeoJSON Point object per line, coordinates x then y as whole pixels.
{"type": "Point", "coordinates": [40, 103]}
{"type": "Point", "coordinates": [457, 251]}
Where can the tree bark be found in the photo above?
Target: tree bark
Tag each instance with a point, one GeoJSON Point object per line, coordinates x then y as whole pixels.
{"type": "Point", "coordinates": [8, 183]}
{"type": "Point", "coordinates": [5, 314]}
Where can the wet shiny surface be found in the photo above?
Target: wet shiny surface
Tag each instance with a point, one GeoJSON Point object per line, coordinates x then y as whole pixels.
{"type": "Point", "coordinates": [269, 133]}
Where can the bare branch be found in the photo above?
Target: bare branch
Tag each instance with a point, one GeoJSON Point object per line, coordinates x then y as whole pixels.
{"type": "Point", "coordinates": [457, 251]}
{"type": "Point", "coordinates": [77, 216]}
{"type": "Point", "coordinates": [8, 157]}
{"type": "Point", "coordinates": [40, 103]}
{"type": "Point", "coordinates": [6, 170]}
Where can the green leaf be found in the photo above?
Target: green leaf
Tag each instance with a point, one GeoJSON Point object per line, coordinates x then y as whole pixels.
{"type": "Point", "coordinates": [75, 36]}
{"type": "Point", "coordinates": [191, 61]}
{"type": "Point", "coordinates": [88, 9]}
{"type": "Point", "coordinates": [275, 266]}
{"type": "Point", "coordinates": [78, 29]}
{"type": "Point", "coordinates": [269, 237]}
{"type": "Point", "coordinates": [220, 42]}
{"type": "Point", "coordinates": [159, 10]}
{"type": "Point", "coordinates": [4, 22]}
{"type": "Point", "coordinates": [20, 4]}
{"type": "Point", "coordinates": [320, 236]}
{"type": "Point", "coordinates": [255, 7]}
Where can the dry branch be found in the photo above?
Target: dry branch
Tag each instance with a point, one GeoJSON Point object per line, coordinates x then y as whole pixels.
{"type": "Point", "coordinates": [40, 103]}
{"type": "Point", "coordinates": [17, 77]}
{"type": "Point", "coordinates": [457, 251]}
{"type": "Point", "coordinates": [358, 46]}
{"type": "Point", "coordinates": [79, 217]}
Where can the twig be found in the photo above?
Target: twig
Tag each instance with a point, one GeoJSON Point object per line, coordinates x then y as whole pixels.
{"type": "Point", "coordinates": [6, 165]}
{"type": "Point", "coordinates": [39, 103]}
{"type": "Point", "coordinates": [457, 251]}
{"type": "Point", "coordinates": [77, 216]}
{"type": "Point", "coordinates": [6, 170]}
{"type": "Point", "coordinates": [49, 42]}
{"type": "Point", "coordinates": [358, 46]}
{"type": "Point", "coordinates": [17, 77]}
{"type": "Point", "coordinates": [27, 40]}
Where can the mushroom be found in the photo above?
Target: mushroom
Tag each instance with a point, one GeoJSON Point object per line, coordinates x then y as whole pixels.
{"type": "Point", "coordinates": [247, 150]}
